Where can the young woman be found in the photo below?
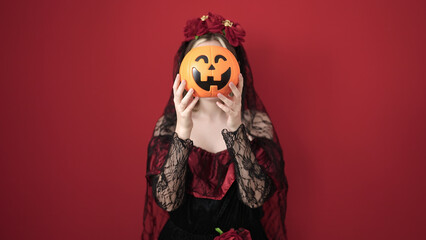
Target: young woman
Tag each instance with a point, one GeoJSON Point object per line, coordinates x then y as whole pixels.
{"type": "Point", "coordinates": [214, 162]}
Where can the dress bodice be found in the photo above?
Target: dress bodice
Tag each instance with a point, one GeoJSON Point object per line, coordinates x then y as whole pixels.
{"type": "Point", "coordinates": [199, 214]}
{"type": "Point", "coordinates": [202, 190]}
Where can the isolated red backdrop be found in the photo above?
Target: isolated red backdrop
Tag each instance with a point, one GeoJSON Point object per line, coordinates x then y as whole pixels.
{"type": "Point", "coordinates": [83, 82]}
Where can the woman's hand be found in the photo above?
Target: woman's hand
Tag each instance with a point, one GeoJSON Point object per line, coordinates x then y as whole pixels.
{"type": "Point", "coordinates": [232, 106]}
{"type": "Point", "coordinates": [183, 109]}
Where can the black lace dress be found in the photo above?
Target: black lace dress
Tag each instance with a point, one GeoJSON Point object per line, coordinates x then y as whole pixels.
{"type": "Point", "coordinates": [203, 190]}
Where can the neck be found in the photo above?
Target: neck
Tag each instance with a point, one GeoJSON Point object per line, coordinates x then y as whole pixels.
{"type": "Point", "coordinates": [209, 110]}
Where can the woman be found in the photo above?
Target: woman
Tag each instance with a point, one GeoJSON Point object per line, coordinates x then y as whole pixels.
{"type": "Point", "coordinates": [214, 162]}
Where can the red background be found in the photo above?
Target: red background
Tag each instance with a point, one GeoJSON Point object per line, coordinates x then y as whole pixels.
{"type": "Point", "coordinates": [83, 82]}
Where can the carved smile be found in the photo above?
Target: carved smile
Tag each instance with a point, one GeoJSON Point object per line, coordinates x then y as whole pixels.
{"type": "Point", "coordinates": [210, 81]}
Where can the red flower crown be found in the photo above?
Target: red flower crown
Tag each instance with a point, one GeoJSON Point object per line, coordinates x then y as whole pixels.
{"type": "Point", "coordinates": [214, 23]}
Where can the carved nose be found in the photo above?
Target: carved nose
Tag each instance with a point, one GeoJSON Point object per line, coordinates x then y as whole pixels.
{"type": "Point", "coordinates": [211, 67]}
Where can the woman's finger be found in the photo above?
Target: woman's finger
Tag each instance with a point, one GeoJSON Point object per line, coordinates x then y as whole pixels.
{"type": "Point", "coordinates": [224, 108]}
{"type": "Point", "coordinates": [226, 100]}
{"type": "Point", "coordinates": [179, 91]}
{"type": "Point", "coordinates": [191, 105]}
{"type": "Point", "coordinates": [240, 83]}
{"type": "Point", "coordinates": [185, 99]}
{"type": "Point", "coordinates": [176, 82]}
{"type": "Point", "coordinates": [235, 90]}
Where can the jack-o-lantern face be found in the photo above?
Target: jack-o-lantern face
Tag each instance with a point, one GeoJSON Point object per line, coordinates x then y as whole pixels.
{"type": "Point", "coordinates": [209, 70]}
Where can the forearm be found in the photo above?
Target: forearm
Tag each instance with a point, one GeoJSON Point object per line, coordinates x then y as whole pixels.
{"type": "Point", "coordinates": [254, 184]}
{"type": "Point", "coordinates": [169, 185]}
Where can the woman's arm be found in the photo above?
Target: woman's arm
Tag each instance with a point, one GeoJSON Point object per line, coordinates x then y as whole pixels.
{"type": "Point", "coordinates": [168, 182]}
{"type": "Point", "coordinates": [169, 185]}
{"type": "Point", "coordinates": [255, 186]}
{"type": "Point", "coordinates": [253, 182]}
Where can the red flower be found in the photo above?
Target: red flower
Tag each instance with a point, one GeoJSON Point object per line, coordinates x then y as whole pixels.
{"type": "Point", "coordinates": [214, 23]}
{"type": "Point", "coordinates": [235, 34]}
{"type": "Point", "coordinates": [240, 234]}
{"type": "Point", "coordinates": [194, 27]}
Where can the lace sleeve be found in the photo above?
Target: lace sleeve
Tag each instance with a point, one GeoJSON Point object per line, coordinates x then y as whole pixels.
{"type": "Point", "coordinates": [169, 185]}
{"type": "Point", "coordinates": [254, 184]}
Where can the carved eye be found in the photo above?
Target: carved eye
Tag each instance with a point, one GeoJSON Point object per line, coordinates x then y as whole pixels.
{"type": "Point", "coordinates": [204, 57]}
{"type": "Point", "coordinates": [216, 59]}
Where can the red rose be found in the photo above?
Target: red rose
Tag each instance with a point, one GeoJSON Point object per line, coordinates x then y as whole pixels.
{"type": "Point", "coordinates": [235, 34]}
{"type": "Point", "coordinates": [214, 23]}
{"type": "Point", "coordinates": [194, 27]}
{"type": "Point", "coordinates": [240, 234]}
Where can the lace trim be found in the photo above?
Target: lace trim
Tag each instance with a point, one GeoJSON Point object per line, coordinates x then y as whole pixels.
{"type": "Point", "coordinates": [169, 185]}
{"type": "Point", "coordinates": [254, 184]}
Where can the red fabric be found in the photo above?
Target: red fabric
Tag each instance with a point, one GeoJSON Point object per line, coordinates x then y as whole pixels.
{"type": "Point", "coordinates": [213, 174]}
